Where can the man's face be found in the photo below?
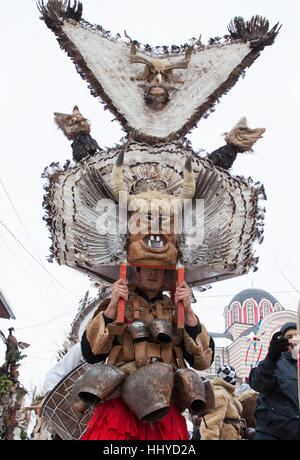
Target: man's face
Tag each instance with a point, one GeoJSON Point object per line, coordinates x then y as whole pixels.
{"type": "Point", "coordinates": [151, 279]}
{"type": "Point", "coordinates": [290, 334]}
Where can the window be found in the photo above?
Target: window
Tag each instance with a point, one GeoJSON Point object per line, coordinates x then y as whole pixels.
{"type": "Point", "coordinates": [278, 307]}
{"type": "Point", "coordinates": [217, 363]}
{"type": "Point", "coordinates": [265, 308]}
{"type": "Point", "coordinates": [235, 313]}
{"type": "Point", "coordinates": [250, 313]}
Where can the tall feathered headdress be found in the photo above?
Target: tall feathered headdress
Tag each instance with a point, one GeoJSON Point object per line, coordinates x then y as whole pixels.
{"type": "Point", "coordinates": [158, 95]}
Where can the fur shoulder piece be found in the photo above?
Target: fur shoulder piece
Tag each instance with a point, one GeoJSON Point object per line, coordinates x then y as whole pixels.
{"type": "Point", "coordinates": [218, 382]}
{"type": "Point", "coordinates": [248, 401]}
{"type": "Point", "coordinates": [247, 395]}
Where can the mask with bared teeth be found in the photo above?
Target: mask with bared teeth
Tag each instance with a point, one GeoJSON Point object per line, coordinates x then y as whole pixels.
{"type": "Point", "coordinates": [153, 219]}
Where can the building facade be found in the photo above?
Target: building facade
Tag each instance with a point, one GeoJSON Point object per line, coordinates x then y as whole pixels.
{"type": "Point", "coordinates": [251, 318]}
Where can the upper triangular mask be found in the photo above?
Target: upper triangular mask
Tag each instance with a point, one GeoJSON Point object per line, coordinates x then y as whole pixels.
{"type": "Point", "coordinates": [156, 94]}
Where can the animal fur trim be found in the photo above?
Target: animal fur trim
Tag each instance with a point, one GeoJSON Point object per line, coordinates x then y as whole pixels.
{"type": "Point", "coordinates": [242, 137]}
{"type": "Point", "coordinates": [98, 336]}
{"type": "Point", "coordinates": [199, 348]}
{"type": "Point", "coordinates": [72, 124]}
{"type": "Point", "coordinates": [227, 407]}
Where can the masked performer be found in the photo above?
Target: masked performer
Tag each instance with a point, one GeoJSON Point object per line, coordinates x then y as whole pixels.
{"type": "Point", "coordinates": [113, 419]}
{"type": "Point", "coordinates": [158, 96]}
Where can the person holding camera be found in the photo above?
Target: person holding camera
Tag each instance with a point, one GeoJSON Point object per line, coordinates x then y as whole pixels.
{"type": "Point", "coordinates": [275, 378]}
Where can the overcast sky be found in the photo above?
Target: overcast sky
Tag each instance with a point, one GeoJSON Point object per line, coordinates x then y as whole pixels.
{"type": "Point", "coordinates": [37, 79]}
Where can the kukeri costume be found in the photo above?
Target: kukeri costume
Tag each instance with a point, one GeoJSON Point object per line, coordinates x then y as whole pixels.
{"type": "Point", "coordinates": [193, 343]}
{"type": "Point", "coordinates": [224, 421]}
{"type": "Point", "coordinates": [275, 378]}
{"type": "Point", "coordinates": [133, 347]}
{"type": "Point", "coordinates": [203, 221]}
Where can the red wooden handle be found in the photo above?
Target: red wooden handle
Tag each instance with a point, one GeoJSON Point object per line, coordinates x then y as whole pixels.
{"type": "Point", "coordinates": [121, 303]}
{"type": "Point", "coordinates": [180, 307]}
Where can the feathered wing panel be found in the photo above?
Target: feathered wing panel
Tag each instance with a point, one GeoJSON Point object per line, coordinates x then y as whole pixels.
{"type": "Point", "coordinates": [196, 83]}
{"type": "Point", "coordinates": [98, 236]}
{"type": "Point", "coordinates": [76, 199]}
{"type": "Point", "coordinates": [80, 205]}
{"type": "Point", "coordinates": [81, 210]}
{"type": "Point", "coordinates": [219, 242]}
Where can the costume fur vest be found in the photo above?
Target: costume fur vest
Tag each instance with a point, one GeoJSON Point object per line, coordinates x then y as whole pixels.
{"type": "Point", "coordinates": [115, 341]}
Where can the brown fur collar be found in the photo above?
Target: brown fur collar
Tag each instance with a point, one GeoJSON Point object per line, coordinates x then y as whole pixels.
{"type": "Point", "coordinates": [220, 382]}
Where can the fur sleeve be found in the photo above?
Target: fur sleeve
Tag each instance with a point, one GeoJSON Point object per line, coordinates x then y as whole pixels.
{"type": "Point", "coordinates": [200, 348]}
{"type": "Point", "coordinates": [214, 420]}
{"type": "Point", "coordinates": [98, 335]}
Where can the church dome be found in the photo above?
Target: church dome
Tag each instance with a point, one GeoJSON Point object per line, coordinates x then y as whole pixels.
{"type": "Point", "coordinates": [256, 294]}
{"type": "Point", "coordinates": [249, 306]}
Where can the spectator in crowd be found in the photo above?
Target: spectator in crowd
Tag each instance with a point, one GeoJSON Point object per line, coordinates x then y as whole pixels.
{"type": "Point", "coordinates": [196, 427]}
{"type": "Point", "coordinates": [275, 378]}
{"type": "Point", "coordinates": [224, 422]}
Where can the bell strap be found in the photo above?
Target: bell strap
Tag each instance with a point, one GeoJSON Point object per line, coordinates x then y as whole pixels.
{"type": "Point", "coordinates": [114, 354]}
{"type": "Point", "coordinates": [116, 329]}
{"type": "Point", "coordinates": [136, 308]}
{"type": "Point", "coordinates": [153, 351]}
{"type": "Point", "coordinates": [232, 421]}
{"type": "Point", "coordinates": [159, 309]}
{"type": "Point", "coordinates": [128, 347]}
{"type": "Point", "coordinates": [179, 357]}
{"type": "Point", "coordinates": [140, 353]}
{"type": "Point", "coordinates": [166, 350]}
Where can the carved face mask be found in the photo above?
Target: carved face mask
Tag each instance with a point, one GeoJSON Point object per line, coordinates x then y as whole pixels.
{"type": "Point", "coordinates": [152, 238]}
{"type": "Point", "coordinates": [154, 219]}
{"type": "Point", "coordinates": [158, 77]}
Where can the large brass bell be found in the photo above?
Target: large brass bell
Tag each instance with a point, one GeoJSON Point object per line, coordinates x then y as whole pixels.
{"type": "Point", "coordinates": [148, 391]}
{"type": "Point", "coordinates": [189, 391]}
{"type": "Point", "coordinates": [139, 330]}
{"type": "Point", "coordinates": [161, 330]}
{"type": "Point", "coordinates": [99, 382]}
{"type": "Point", "coordinates": [78, 404]}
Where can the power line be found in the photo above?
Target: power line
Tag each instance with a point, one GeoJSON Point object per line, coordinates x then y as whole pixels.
{"type": "Point", "coordinates": [33, 257]}
{"type": "Point", "coordinates": [30, 239]}
{"type": "Point", "coordinates": [285, 277]}
{"type": "Point", "coordinates": [28, 273]}
{"type": "Point", "coordinates": [53, 285]}
{"type": "Point", "coordinates": [45, 322]}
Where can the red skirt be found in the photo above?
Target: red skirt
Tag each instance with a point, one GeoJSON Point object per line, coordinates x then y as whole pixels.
{"type": "Point", "coordinates": [113, 420]}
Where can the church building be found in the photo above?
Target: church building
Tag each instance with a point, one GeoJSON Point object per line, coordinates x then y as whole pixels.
{"type": "Point", "coordinates": [251, 318]}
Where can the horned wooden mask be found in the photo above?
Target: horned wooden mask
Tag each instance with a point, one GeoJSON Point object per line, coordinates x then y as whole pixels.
{"type": "Point", "coordinates": [154, 219]}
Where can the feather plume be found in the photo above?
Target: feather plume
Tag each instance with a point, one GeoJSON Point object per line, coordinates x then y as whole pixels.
{"type": "Point", "coordinates": [56, 10]}
{"type": "Point", "coordinates": [256, 31]}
